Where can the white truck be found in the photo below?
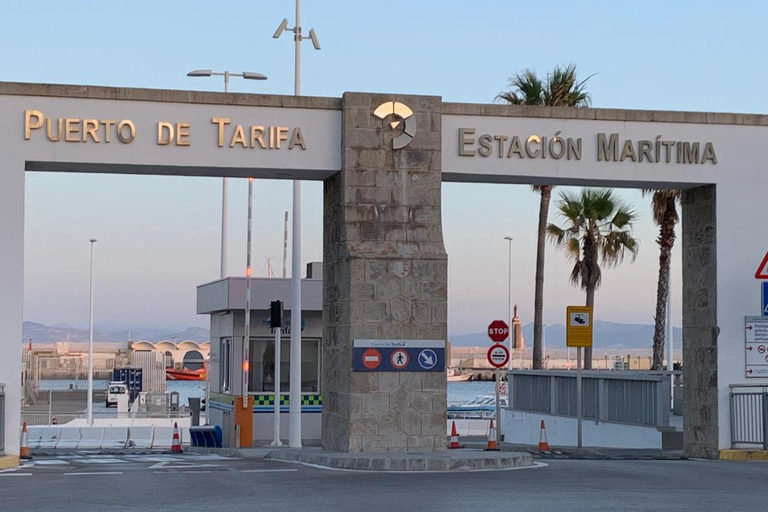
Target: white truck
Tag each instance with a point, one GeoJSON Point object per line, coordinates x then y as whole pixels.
{"type": "Point", "coordinates": [115, 388]}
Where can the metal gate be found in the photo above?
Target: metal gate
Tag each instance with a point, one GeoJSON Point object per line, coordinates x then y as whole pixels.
{"type": "Point", "coordinates": [748, 418]}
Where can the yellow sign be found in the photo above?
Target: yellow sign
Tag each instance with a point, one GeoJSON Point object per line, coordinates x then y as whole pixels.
{"type": "Point", "coordinates": [578, 326]}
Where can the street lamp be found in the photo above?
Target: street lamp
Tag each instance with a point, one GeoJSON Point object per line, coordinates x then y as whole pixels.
{"type": "Point", "coordinates": [90, 348]}
{"type": "Point", "coordinates": [294, 428]}
{"type": "Point", "coordinates": [509, 291]}
{"type": "Point", "coordinates": [247, 75]}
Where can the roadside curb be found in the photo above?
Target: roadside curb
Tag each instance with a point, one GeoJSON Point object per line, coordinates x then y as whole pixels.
{"type": "Point", "coordinates": [743, 455]}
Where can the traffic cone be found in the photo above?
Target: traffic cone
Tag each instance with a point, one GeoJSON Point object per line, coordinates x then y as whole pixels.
{"type": "Point", "coordinates": [24, 448]}
{"type": "Point", "coordinates": [543, 444]}
{"type": "Point", "coordinates": [491, 446]}
{"type": "Point", "coordinates": [454, 437]}
{"type": "Point", "coordinates": [176, 446]}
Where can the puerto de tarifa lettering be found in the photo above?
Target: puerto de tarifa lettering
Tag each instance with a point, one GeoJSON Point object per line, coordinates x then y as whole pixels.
{"type": "Point", "coordinates": [105, 131]}
{"type": "Point", "coordinates": [610, 147]}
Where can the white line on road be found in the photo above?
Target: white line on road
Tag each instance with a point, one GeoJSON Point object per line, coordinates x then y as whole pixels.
{"type": "Point", "coordinates": [96, 473]}
{"type": "Point", "coordinates": [267, 470]}
{"type": "Point", "coordinates": [15, 474]}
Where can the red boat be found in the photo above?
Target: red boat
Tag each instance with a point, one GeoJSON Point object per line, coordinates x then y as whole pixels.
{"type": "Point", "coordinates": [171, 374]}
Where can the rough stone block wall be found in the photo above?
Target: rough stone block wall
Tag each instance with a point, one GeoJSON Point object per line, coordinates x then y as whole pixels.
{"type": "Point", "coordinates": [700, 328]}
{"type": "Point", "coordinates": [385, 278]}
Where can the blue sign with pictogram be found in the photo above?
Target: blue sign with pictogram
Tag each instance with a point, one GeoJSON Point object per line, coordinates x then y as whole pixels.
{"type": "Point", "coordinates": [764, 298]}
{"type": "Point", "coordinates": [399, 356]}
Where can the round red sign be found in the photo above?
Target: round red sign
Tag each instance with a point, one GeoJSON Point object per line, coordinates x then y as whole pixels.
{"type": "Point", "coordinates": [371, 358]}
{"type": "Point", "coordinates": [498, 356]}
{"type": "Point", "coordinates": [498, 331]}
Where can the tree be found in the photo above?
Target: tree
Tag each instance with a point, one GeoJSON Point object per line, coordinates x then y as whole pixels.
{"type": "Point", "coordinates": [664, 205]}
{"type": "Point", "coordinates": [598, 231]}
{"type": "Point", "coordinates": [560, 88]}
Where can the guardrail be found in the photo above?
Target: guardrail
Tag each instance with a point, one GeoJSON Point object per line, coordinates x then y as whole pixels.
{"type": "Point", "coordinates": [64, 437]}
{"type": "Point", "coordinates": [749, 414]}
{"type": "Point", "coordinates": [630, 397]}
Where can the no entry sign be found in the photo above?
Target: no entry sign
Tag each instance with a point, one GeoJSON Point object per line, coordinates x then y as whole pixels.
{"type": "Point", "coordinates": [498, 331]}
{"type": "Point", "coordinates": [498, 356]}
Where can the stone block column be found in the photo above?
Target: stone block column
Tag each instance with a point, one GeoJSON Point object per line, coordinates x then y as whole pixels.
{"type": "Point", "coordinates": [385, 273]}
{"type": "Point", "coordinates": [700, 328]}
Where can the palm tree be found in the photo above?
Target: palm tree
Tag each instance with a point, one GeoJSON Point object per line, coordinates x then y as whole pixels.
{"type": "Point", "coordinates": [560, 89]}
{"type": "Point", "coordinates": [664, 204]}
{"type": "Point", "coordinates": [599, 231]}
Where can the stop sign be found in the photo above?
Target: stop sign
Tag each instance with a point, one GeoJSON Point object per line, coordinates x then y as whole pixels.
{"type": "Point", "coordinates": [498, 331]}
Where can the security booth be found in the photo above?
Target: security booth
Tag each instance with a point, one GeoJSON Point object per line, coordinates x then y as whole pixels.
{"type": "Point", "coordinates": [224, 301]}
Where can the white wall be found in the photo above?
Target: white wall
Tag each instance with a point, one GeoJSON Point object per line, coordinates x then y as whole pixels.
{"type": "Point", "coordinates": [524, 428]}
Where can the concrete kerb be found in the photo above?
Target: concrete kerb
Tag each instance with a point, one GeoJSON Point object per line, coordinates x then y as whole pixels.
{"type": "Point", "coordinates": [463, 460]}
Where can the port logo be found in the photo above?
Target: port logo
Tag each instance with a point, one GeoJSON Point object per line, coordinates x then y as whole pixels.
{"type": "Point", "coordinates": [402, 114]}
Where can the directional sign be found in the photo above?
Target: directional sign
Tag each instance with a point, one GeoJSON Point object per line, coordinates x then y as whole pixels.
{"type": "Point", "coordinates": [764, 298]}
{"type": "Point", "coordinates": [762, 270]}
{"type": "Point", "coordinates": [498, 331]}
{"type": "Point", "coordinates": [399, 355]}
{"type": "Point", "coordinates": [427, 358]}
{"type": "Point", "coordinates": [756, 334]}
{"type": "Point", "coordinates": [498, 355]}
{"type": "Point", "coordinates": [578, 331]}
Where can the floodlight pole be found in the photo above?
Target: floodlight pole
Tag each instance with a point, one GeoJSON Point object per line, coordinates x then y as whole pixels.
{"type": "Point", "coordinates": [294, 417]}
{"type": "Point", "coordinates": [89, 402]}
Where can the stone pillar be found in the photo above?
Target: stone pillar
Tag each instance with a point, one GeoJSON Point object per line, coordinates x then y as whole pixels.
{"type": "Point", "coordinates": [700, 328]}
{"type": "Point", "coordinates": [385, 278]}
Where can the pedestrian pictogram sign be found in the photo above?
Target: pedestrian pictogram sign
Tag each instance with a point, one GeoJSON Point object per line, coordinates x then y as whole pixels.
{"type": "Point", "coordinates": [371, 358]}
{"type": "Point", "coordinates": [498, 331]}
{"type": "Point", "coordinates": [498, 356]}
{"type": "Point", "coordinates": [578, 331]}
{"type": "Point", "coordinates": [399, 359]}
{"type": "Point", "coordinates": [762, 270]}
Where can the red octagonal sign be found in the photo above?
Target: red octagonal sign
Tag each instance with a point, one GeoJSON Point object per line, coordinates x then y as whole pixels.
{"type": "Point", "coordinates": [498, 331]}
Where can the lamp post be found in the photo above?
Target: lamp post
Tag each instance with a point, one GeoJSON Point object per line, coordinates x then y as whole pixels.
{"type": "Point", "coordinates": [90, 347]}
{"type": "Point", "coordinates": [247, 75]}
{"type": "Point", "coordinates": [509, 297]}
{"type": "Point", "coordinates": [294, 417]}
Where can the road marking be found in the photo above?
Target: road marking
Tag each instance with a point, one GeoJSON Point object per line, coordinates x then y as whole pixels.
{"type": "Point", "coordinates": [95, 473]}
{"type": "Point", "coordinates": [267, 470]}
{"type": "Point", "coordinates": [182, 465]}
{"type": "Point", "coordinates": [15, 474]}
{"type": "Point", "coordinates": [49, 462]}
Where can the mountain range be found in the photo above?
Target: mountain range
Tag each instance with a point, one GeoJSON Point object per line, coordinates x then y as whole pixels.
{"type": "Point", "coordinates": [606, 335]}
{"type": "Point", "coordinates": [40, 333]}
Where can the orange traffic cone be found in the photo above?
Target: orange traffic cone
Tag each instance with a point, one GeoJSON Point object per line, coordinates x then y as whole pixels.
{"type": "Point", "coordinates": [454, 437]}
{"type": "Point", "coordinates": [24, 447]}
{"type": "Point", "coordinates": [176, 446]}
{"type": "Point", "coordinates": [543, 444]}
{"type": "Point", "coordinates": [491, 446]}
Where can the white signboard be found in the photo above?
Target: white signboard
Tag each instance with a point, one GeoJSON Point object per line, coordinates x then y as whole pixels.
{"type": "Point", "coordinates": [756, 333]}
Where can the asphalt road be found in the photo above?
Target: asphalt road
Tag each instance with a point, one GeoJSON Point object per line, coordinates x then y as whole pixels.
{"type": "Point", "coordinates": [210, 483]}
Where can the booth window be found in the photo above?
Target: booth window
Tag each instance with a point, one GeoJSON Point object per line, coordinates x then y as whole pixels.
{"type": "Point", "coordinates": [226, 345]}
{"type": "Point", "coordinates": [262, 365]}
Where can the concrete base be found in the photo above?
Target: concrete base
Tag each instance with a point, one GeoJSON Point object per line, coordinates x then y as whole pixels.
{"type": "Point", "coordinates": [451, 460]}
{"type": "Point", "coordinates": [9, 461]}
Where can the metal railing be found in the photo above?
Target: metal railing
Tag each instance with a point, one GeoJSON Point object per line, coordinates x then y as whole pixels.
{"type": "Point", "coordinates": [749, 415]}
{"type": "Point", "coordinates": [633, 397]}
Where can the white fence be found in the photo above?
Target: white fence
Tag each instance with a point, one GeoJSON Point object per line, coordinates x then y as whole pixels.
{"type": "Point", "coordinates": [94, 438]}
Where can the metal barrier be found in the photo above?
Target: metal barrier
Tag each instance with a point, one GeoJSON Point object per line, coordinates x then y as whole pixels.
{"type": "Point", "coordinates": [749, 415]}
{"type": "Point", "coordinates": [2, 419]}
{"type": "Point", "coordinates": [633, 397]}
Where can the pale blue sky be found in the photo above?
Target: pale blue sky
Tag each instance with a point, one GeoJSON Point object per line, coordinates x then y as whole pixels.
{"type": "Point", "coordinates": [159, 236]}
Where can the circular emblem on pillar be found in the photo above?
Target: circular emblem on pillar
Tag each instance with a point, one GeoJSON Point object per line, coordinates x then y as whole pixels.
{"type": "Point", "coordinates": [402, 114]}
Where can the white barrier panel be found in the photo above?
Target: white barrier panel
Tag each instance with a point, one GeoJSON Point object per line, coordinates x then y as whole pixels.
{"type": "Point", "coordinates": [91, 438]}
{"type": "Point", "coordinates": [140, 437]}
{"type": "Point", "coordinates": [469, 427]}
{"type": "Point", "coordinates": [163, 437]}
{"type": "Point", "coordinates": [186, 438]}
{"type": "Point", "coordinates": [69, 437]}
{"type": "Point", "coordinates": [115, 438]}
{"type": "Point", "coordinates": [49, 436]}
{"type": "Point", "coordinates": [34, 434]}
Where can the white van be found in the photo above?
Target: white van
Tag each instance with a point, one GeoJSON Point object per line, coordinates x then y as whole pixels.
{"type": "Point", "coordinates": [115, 388]}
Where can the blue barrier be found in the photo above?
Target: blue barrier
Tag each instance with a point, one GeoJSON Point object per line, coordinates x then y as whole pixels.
{"type": "Point", "coordinates": [207, 436]}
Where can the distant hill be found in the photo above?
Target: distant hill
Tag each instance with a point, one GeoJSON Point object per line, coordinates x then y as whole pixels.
{"type": "Point", "coordinates": [606, 335]}
{"type": "Point", "coordinates": [40, 333]}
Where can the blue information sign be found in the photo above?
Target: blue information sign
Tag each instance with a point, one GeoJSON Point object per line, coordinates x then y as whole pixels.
{"type": "Point", "coordinates": [764, 298]}
{"type": "Point", "coordinates": [399, 356]}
